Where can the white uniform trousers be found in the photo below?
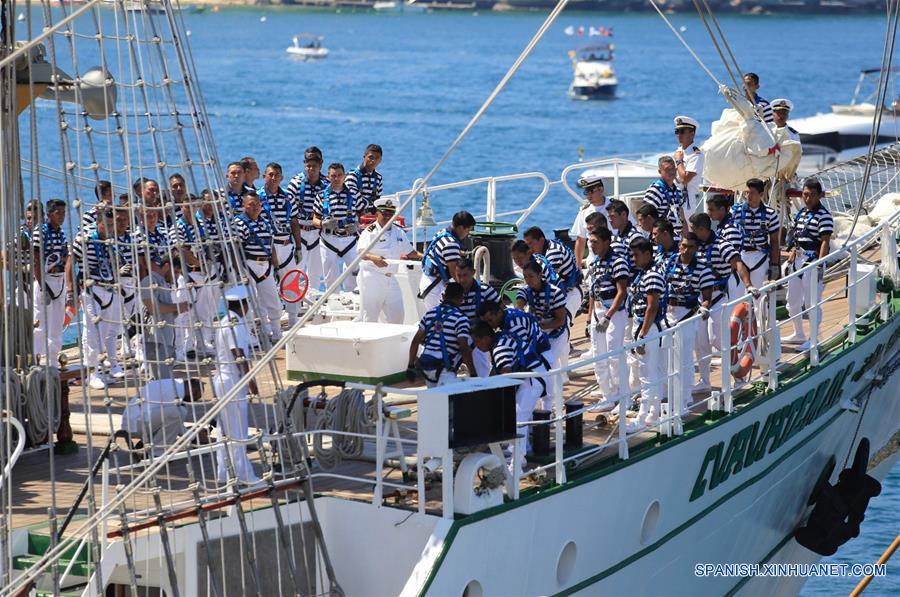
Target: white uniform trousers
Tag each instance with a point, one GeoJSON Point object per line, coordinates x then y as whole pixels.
{"type": "Point", "coordinates": [684, 341]}
{"type": "Point", "coordinates": [574, 297]}
{"type": "Point", "coordinates": [634, 378]}
{"type": "Point", "coordinates": [714, 323]}
{"type": "Point", "coordinates": [607, 370]}
{"type": "Point", "coordinates": [527, 395]}
{"type": "Point", "coordinates": [433, 298]}
{"type": "Point", "coordinates": [311, 259]}
{"type": "Point", "coordinates": [652, 370]}
{"type": "Point", "coordinates": [232, 423]}
{"type": "Point", "coordinates": [799, 296]}
{"type": "Point", "coordinates": [434, 379]}
{"type": "Point", "coordinates": [557, 356]}
{"type": "Point", "coordinates": [204, 301]}
{"type": "Point", "coordinates": [284, 254]}
{"type": "Point", "coordinates": [269, 304]}
{"type": "Point", "coordinates": [155, 422]}
{"type": "Point", "coordinates": [379, 295]}
{"type": "Point", "coordinates": [49, 312]}
{"type": "Point", "coordinates": [332, 247]}
{"type": "Point", "coordinates": [100, 324]}
{"type": "Point", "coordinates": [482, 362]}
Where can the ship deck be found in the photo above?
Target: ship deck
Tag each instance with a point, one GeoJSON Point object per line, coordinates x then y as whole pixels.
{"type": "Point", "coordinates": [31, 497]}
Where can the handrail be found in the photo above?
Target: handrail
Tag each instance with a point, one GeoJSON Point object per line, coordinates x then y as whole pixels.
{"type": "Point", "coordinates": [20, 446]}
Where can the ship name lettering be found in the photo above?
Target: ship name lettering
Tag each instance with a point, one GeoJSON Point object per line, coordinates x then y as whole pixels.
{"type": "Point", "coordinates": [749, 445]}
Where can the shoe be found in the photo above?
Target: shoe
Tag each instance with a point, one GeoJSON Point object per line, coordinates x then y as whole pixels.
{"type": "Point", "coordinates": [97, 382]}
{"type": "Point", "coordinates": [116, 372]}
{"type": "Point", "coordinates": [634, 426]}
{"type": "Point", "coordinates": [650, 420]}
{"type": "Point", "coordinates": [587, 354]}
{"type": "Point", "coordinates": [804, 347]}
{"type": "Point", "coordinates": [609, 405]}
{"type": "Point", "coordinates": [700, 387]}
{"type": "Point", "coordinates": [715, 362]}
{"type": "Point", "coordinates": [191, 354]}
{"type": "Point", "coordinates": [596, 393]}
{"type": "Point", "coordinates": [795, 339]}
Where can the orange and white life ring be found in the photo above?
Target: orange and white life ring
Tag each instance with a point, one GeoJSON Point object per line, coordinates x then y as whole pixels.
{"type": "Point", "coordinates": [743, 341]}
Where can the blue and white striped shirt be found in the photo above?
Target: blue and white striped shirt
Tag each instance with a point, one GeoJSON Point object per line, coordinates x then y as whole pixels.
{"type": "Point", "coordinates": [445, 327]}
{"type": "Point", "coordinates": [255, 236]}
{"type": "Point", "coordinates": [646, 282]}
{"type": "Point", "coordinates": [342, 206]}
{"type": "Point", "coordinates": [667, 201]}
{"type": "Point", "coordinates": [303, 195]}
{"type": "Point", "coordinates": [755, 226]}
{"type": "Point", "coordinates": [477, 294]}
{"type": "Point", "coordinates": [368, 186]}
{"type": "Point", "coordinates": [603, 273]}
{"type": "Point", "coordinates": [542, 303]}
{"type": "Point", "coordinates": [568, 274]}
{"type": "Point", "coordinates": [52, 246]}
{"type": "Point", "coordinates": [279, 209]}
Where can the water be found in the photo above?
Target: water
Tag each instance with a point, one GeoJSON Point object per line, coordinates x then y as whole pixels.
{"type": "Point", "coordinates": [411, 82]}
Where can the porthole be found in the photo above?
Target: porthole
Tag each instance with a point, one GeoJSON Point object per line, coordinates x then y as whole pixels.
{"type": "Point", "coordinates": [473, 589]}
{"type": "Point", "coordinates": [651, 519]}
{"type": "Point", "coordinates": [565, 566]}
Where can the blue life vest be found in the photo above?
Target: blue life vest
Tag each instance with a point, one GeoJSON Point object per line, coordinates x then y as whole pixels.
{"type": "Point", "coordinates": [431, 265]}
{"type": "Point", "coordinates": [660, 312]}
{"type": "Point", "coordinates": [256, 238]}
{"type": "Point", "coordinates": [745, 236]}
{"type": "Point", "coordinates": [441, 314]}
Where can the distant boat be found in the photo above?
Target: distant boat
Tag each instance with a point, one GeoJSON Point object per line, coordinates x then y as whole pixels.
{"type": "Point", "coordinates": [387, 6]}
{"type": "Point", "coordinates": [594, 76]}
{"type": "Point", "coordinates": [308, 46]}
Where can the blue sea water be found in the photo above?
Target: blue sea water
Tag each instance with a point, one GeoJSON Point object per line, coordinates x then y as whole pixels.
{"type": "Point", "coordinates": [411, 82]}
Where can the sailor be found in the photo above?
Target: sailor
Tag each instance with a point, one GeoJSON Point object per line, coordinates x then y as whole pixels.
{"type": "Point", "coordinates": [156, 415]}
{"type": "Point", "coordinates": [623, 231]}
{"type": "Point", "coordinates": [443, 335]}
{"type": "Point", "coordinates": [475, 292]}
{"type": "Point", "coordinates": [781, 110]}
{"type": "Point", "coordinates": [647, 299]}
{"type": "Point", "coordinates": [364, 180]}
{"type": "Point", "coordinates": [440, 257]}
{"type": "Point", "coordinates": [380, 295]}
{"type": "Point", "coordinates": [234, 178]}
{"type": "Point", "coordinates": [751, 84]}
{"type": "Point", "coordinates": [253, 231]}
{"type": "Point", "coordinates": [336, 212]}
{"type": "Point", "coordinates": [279, 210]}
{"type": "Point", "coordinates": [211, 217]}
{"type": "Point", "coordinates": [592, 187]}
{"type": "Point", "coordinates": [722, 259]}
{"type": "Point", "coordinates": [647, 217]}
{"type": "Point", "coordinates": [103, 193]}
{"type": "Point", "coordinates": [608, 278]}
{"type": "Point", "coordinates": [690, 288]}
{"type": "Point", "coordinates": [160, 312]}
{"type": "Point", "coordinates": [547, 302]}
{"type": "Point", "coordinates": [665, 195]}
{"type": "Point", "coordinates": [128, 242]}
{"type": "Point", "coordinates": [233, 342]}
{"type": "Point", "coordinates": [144, 189]}
{"type": "Point", "coordinates": [303, 188]}
{"type": "Point", "coordinates": [518, 323]}
{"type": "Point", "coordinates": [177, 196]}
{"type": "Point", "coordinates": [93, 251]}
{"type": "Point", "coordinates": [688, 163]}
{"type": "Point", "coordinates": [666, 242]}
{"type": "Point", "coordinates": [34, 216]}
{"type": "Point", "coordinates": [154, 251]}
{"type": "Point", "coordinates": [809, 238]}
{"type": "Point", "coordinates": [568, 274]}
{"type": "Point", "coordinates": [510, 353]}
{"type": "Point", "coordinates": [251, 171]}
{"type": "Point", "coordinates": [50, 296]}
{"type": "Point", "coordinates": [760, 228]}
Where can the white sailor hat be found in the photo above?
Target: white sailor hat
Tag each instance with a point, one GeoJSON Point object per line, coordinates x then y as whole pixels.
{"type": "Point", "coordinates": [782, 104]}
{"type": "Point", "coordinates": [237, 293]}
{"type": "Point", "coordinates": [590, 179]}
{"type": "Point", "coordinates": [686, 122]}
{"type": "Point", "coordinates": [385, 203]}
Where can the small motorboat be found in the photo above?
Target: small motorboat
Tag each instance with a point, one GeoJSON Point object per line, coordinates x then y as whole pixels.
{"type": "Point", "coordinates": [308, 46]}
{"type": "Point", "coordinates": [594, 76]}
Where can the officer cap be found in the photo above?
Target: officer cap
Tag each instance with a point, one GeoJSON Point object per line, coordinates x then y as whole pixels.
{"type": "Point", "coordinates": [782, 104]}
{"type": "Point", "coordinates": [686, 122]}
{"type": "Point", "coordinates": [237, 293]}
{"type": "Point", "coordinates": [590, 179]}
{"type": "Point", "coordinates": [385, 203]}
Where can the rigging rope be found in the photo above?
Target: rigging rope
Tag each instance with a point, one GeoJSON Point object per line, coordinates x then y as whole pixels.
{"type": "Point", "coordinates": [685, 44]}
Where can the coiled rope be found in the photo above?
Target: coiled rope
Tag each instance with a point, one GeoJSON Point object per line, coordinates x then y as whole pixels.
{"type": "Point", "coordinates": [36, 397]}
{"type": "Point", "coordinates": [348, 411]}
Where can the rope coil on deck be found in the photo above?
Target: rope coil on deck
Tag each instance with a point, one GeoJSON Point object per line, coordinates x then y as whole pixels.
{"type": "Point", "coordinates": [348, 411]}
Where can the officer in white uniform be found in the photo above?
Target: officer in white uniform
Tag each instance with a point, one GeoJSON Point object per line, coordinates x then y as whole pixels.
{"type": "Point", "coordinates": [378, 287]}
{"type": "Point", "coordinates": [233, 343]}
{"type": "Point", "coordinates": [781, 109]}
{"type": "Point", "coordinates": [689, 163]}
{"type": "Point", "coordinates": [51, 256]}
{"type": "Point", "coordinates": [156, 415]}
{"type": "Point", "coordinates": [592, 187]}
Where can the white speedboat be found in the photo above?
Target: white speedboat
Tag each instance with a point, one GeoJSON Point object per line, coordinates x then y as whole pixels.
{"type": "Point", "coordinates": [594, 76]}
{"type": "Point", "coordinates": [308, 46]}
{"type": "Point", "coordinates": [843, 133]}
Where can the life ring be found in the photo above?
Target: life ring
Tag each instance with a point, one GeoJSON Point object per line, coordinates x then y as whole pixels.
{"type": "Point", "coordinates": [743, 340]}
{"type": "Point", "coordinates": [69, 317]}
{"type": "Point", "coordinates": [293, 285]}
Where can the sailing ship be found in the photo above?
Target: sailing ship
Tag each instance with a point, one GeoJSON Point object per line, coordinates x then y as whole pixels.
{"type": "Point", "coordinates": [370, 488]}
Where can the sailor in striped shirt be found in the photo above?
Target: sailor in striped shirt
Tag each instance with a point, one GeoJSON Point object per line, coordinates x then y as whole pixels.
{"type": "Point", "coordinates": [666, 241]}
{"type": "Point", "coordinates": [647, 217]}
{"type": "Point", "coordinates": [253, 231]}
{"type": "Point", "coordinates": [234, 177]}
{"type": "Point", "coordinates": [336, 212]}
{"type": "Point", "coordinates": [475, 293]}
{"type": "Point", "coordinates": [547, 302]}
{"type": "Point", "coordinates": [303, 189]}
{"type": "Point", "coordinates": [129, 242]}
{"type": "Point", "coordinates": [722, 259]}
{"type": "Point", "coordinates": [751, 84]}
{"type": "Point", "coordinates": [608, 278]}
{"type": "Point", "coordinates": [93, 251]}
{"type": "Point", "coordinates": [441, 256]}
{"type": "Point", "coordinates": [103, 193]}
{"type": "Point", "coordinates": [50, 294]}
{"type": "Point", "coordinates": [568, 274]}
{"type": "Point", "coordinates": [154, 251]}
{"type": "Point", "coordinates": [809, 239]}
{"type": "Point", "coordinates": [665, 195]}
{"type": "Point", "coordinates": [760, 228]}
{"type": "Point", "coordinates": [691, 285]}
{"type": "Point", "coordinates": [365, 180]}
{"type": "Point", "coordinates": [279, 210]}
{"type": "Point", "coordinates": [513, 354]}
{"type": "Point", "coordinates": [443, 335]}
{"type": "Point", "coordinates": [623, 231]}
{"type": "Point", "coordinates": [647, 296]}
